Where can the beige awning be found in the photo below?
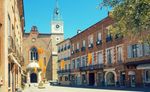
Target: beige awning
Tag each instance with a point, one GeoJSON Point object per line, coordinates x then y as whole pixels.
{"type": "Point", "coordinates": [33, 65]}
{"type": "Point", "coordinates": [143, 66]}
{"type": "Point", "coordinates": [14, 59]}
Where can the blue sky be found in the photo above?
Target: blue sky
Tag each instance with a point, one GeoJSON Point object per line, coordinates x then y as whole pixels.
{"type": "Point", "coordinates": [76, 14]}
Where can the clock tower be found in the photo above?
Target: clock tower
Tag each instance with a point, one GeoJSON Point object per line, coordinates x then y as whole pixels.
{"type": "Point", "coordinates": [57, 25]}
{"type": "Point", "coordinates": [57, 35]}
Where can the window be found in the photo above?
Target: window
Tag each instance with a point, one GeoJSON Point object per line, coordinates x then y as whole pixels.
{"type": "Point", "coordinates": [147, 76]}
{"type": "Point", "coordinates": [9, 31]}
{"type": "Point", "coordinates": [90, 39]}
{"type": "Point", "coordinates": [78, 45]}
{"type": "Point", "coordinates": [33, 54]}
{"type": "Point", "coordinates": [9, 78]}
{"type": "Point", "coordinates": [65, 66]}
{"type": "Point", "coordinates": [93, 62]}
{"type": "Point", "coordinates": [99, 36]}
{"type": "Point", "coordinates": [78, 63]}
{"type": "Point", "coordinates": [119, 54]}
{"type": "Point", "coordinates": [73, 47]}
{"type": "Point", "coordinates": [100, 58]}
{"type": "Point", "coordinates": [9, 26]}
{"type": "Point", "coordinates": [108, 37]}
{"type": "Point", "coordinates": [146, 49]}
{"type": "Point", "coordinates": [109, 56]}
{"type": "Point", "coordinates": [83, 43]}
{"type": "Point", "coordinates": [83, 61]}
{"type": "Point", "coordinates": [135, 50]}
{"type": "Point", "coordinates": [73, 64]}
{"type": "Point", "coordinates": [69, 66]}
{"type": "Point", "coordinates": [66, 78]}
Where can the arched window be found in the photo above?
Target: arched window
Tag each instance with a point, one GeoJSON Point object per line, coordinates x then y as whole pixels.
{"type": "Point", "coordinates": [33, 54]}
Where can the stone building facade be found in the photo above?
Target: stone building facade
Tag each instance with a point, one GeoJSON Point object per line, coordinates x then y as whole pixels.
{"type": "Point", "coordinates": [40, 50]}
{"type": "Point", "coordinates": [99, 58]}
{"type": "Point", "coordinates": [11, 32]}
{"type": "Point", "coordinates": [64, 62]}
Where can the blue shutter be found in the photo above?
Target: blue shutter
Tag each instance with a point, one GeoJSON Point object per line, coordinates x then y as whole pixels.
{"type": "Point", "coordinates": [139, 50]}
{"type": "Point", "coordinates": [146, 49]}
{"type": "Point", "coordinates": [129, 51]}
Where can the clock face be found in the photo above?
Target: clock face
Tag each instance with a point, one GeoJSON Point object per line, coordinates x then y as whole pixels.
{"type": "Point", "coordinates": [57, 26]}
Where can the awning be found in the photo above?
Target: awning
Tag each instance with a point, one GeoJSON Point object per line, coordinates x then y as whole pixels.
{"type": "Point", "coordinates": [143, 66]}
{"type": "Point", "coordinates": [33, 65]}
{"type": "Point", "coordinates": [131, 73]}
{"type": "Point", "coordinates": [14, 59]}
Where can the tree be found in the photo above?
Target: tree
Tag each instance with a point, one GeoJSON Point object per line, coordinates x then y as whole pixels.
{"type": "Point", "coordinates": [131, 17]}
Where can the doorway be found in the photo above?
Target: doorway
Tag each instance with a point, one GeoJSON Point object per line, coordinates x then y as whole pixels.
{"type": "Point", "coordinates": [33, 78]}
{"type": "Point", "coordinates": [91, 79]}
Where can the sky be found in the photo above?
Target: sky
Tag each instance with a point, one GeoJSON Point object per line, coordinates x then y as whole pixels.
{"type": "Point", "coordinates": [76, 14]}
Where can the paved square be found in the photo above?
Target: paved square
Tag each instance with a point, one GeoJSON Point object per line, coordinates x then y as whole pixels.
{"type": "Point", "coordinates": [48, 88]}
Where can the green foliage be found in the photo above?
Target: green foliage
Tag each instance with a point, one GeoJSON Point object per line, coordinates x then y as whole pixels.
{"type": "Point", "coordinates": [132, 17]}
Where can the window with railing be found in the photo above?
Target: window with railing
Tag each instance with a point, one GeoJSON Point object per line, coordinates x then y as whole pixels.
{"type": "Point", "coordinates": [136, 50]}
{"type": "Point", "coordinates": [83, 48]}
{"type": "Point", "coordinates": [78, 61]}
{"type": "Point", "coordinates": [119, 54]}
{"type": "Point", "coordinates": [83, 61]}
{"type": "Point", "coordinates": [99, 58]}
{"type": "Point", "coordinates": [78, 47]}
{"type": "Point", "coordinates": [90, 41]}
{"type": "Point", "coordinates": [73, 64]}
{"type": "Point", "coordinates": [109, 56]}
{"type": "Point", "coordinates": [93, 61]}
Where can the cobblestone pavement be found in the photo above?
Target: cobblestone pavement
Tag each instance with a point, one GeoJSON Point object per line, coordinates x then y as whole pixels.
{"type": "Point", "coordinates": [48, 88]}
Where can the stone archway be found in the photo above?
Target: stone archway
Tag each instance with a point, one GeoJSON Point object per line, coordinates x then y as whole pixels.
{"type": "Point", "coordinates": [110, 79]}
{"type": "Point", "coordinates": [33, 78]}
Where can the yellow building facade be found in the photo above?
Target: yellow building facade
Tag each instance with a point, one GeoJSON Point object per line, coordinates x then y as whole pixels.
{"type": "Point", "coordinates": [11, 60]}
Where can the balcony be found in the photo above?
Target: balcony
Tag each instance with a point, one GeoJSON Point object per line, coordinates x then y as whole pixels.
{"type": "Point", "coordinates": [109, 38]}
{"type": "Point", "coordinates": [90, 46]}
{"type": "Point", "coordinates": [72, 52]}
{"type": "Point", "coordinates": [64, 71]}
{"type": "Point", "coordinates": [11, 45]}
{"type": "Point", "coordinates": [77, 50]}
{"type": "Point", "coordinates": [92, 67]}
{"type": "Point", "coordinates": [67, 58]}
{"type": "Point", "coordinates": [83, 48]}
{"type": "Point", "coordinates": [99, 42]}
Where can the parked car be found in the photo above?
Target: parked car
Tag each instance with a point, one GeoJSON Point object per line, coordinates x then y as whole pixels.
{"type": "Point", "coordinates": [54, 83]}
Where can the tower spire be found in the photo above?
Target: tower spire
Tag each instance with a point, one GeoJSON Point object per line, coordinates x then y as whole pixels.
{"type": "Point", "coordinates": [56, 14]}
